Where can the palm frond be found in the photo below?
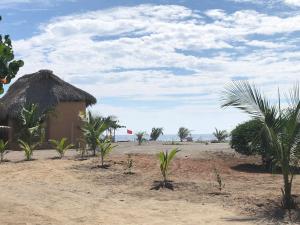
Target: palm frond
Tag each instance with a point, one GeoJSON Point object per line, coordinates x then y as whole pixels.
{"type": "Point", "coordinates": [249, 99]}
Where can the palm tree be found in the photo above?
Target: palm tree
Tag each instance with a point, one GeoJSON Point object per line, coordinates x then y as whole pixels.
{"type": "Point", "coordinates": [31, 129]}
{"type": "Point", "coordinates": [183, 133]}
{"type": "Point", "coordinates": [155, 133]}
{"type": "Point", "coordinates": [93, 128]}
{"type": "Point", "coordinates": [221, 135]}
{"type": "Point", "coordinates": [281, 128]}
{"type": "Point", "coordinates": [113, 125]}
{"type": "Point", "coordinates": [140, 137]}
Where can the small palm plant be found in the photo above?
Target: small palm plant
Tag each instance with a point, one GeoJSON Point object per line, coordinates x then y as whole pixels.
{"type": "Point", "coordinates": [219, 179]}
{"type": "Point", "coordinates": [183, 133]}
{"type": "Point", "coordinates": [61, 146]}
{"type": "Point", "coordinates": [140, 137]}
{"type": "Point", "coordinates": [27, 148]}
{"type": "Point", "coordinates": [129, 164]}
{"type": "Point", "coordinates": [104, 149]}
{"type": "Point", "coordinates": [3, 150]}
{"type": "Point", "coordinates": [82, 149]}
{"type": "Point", "coordinates": [155, 133]}
{"type": "Point", "coordinates": [221, 135]}
{"type": "Point", "coordinates": [165, 159]}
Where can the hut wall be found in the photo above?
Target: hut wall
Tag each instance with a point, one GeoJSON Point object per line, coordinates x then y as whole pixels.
{"type": "Point", "coordinates": [12, 142]}
{"type": "Point", "coordinates": [65, 122]}
{"type": "Point", "coordinates": [10, 133]}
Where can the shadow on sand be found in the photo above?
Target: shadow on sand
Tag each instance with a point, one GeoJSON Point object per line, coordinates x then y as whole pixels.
{"type": "Point", "coordinates": [272, 215]}
{"type": "Point", "coordinates": [106, 166]}
{"type": "Point", "coordinates": [160, 184]}
{"type": "Point", "coordinates": [256, 168]}
{"type": "Point", "coordinates": [277, 215]}
{"type": "Point", "coordinates": [251, 168]}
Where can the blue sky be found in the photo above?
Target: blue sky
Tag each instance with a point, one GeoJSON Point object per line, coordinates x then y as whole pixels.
{"type": "Point", "coordinates": [159, 63]}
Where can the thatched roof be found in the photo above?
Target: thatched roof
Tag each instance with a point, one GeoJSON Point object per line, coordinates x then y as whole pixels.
{"type": "Point", "coordinates": [42, 88]}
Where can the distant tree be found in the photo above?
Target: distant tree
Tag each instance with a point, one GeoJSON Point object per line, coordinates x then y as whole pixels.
{"type": "Point", "coordinates": [221, 135]}
{"type": "Point", "coordinates": [113, 124]}
{"type": "Point", "coordinates": [155, 133]}
{"type": "Point", "coordinates": [8, 66]}
{"type": "Point", "coordinates": [183, 133]}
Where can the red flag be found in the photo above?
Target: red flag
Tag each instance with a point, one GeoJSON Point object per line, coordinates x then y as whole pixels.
{"type": "Point", "coordinates": [129, 131]}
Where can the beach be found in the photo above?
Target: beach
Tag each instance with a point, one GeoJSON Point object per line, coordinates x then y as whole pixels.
{"type": "Point", "coordinates": [48, 190]}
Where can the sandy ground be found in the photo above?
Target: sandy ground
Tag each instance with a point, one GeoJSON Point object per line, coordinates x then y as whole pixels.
{"type": "Point", "coordinates": [70, 191]}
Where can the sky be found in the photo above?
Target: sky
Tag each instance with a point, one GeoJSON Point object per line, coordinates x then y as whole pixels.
{"type": "Point", "coordinates": [159, 63]}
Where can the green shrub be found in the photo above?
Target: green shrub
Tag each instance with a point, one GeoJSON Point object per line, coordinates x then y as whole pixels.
{"type": "Point", "coordinates": [243, 138]}
{"type": "Point", "coordinates": [247, 139]}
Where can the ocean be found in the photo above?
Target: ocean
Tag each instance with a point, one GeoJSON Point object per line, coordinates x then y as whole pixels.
{"type": "Point", "coordinates": [167, 137]}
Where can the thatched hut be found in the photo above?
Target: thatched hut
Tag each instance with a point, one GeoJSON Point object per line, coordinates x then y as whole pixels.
{"type": "Point", "coordinates": [50, 93]}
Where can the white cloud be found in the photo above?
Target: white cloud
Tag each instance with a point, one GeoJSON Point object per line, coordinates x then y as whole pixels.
{"type": "Point", "coordinates": [292, 2]}
{"type": "Point", "coordinates": [216, 13]}
{"type": "Point", "coordinates": [268, 3]}
{"type": "Point", "coordinates": [251, 1]}
{"type": "Point", "coordinates": [141, 52]}
{"type": "Point", "coordinates": [267, 44]}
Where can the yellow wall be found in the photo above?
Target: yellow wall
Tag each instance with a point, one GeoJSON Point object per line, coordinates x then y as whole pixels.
{"type": "Point", "coordinates": [65, 122]}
